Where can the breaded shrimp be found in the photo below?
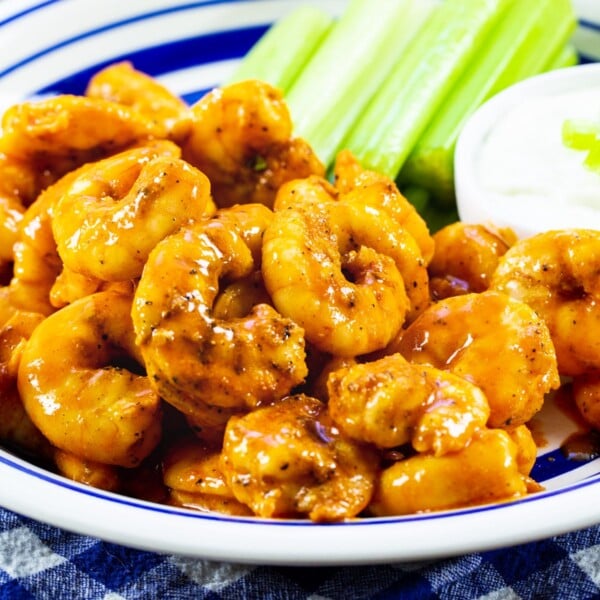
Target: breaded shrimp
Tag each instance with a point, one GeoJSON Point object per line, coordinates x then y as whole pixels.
{"type": "Point", "coordinates": [94, 474]}
{"type": "Point", "coordinates": [586, 394]}
{"type": "Point", "coordinates": [289, 460]}
{"type": "Point", "coordinates": [498, 343]}
{"type": "Point", "coordinates": [485, 471]}
{"type": "Point", "coordinates": [556, 273]}
{"type": "Point", "coordinates": [37, 264]}
{"type": "Point", "coordinates": [16, 428]}
{"type": "Point", "coordinates": [242, 139]}
{"type": "Point", "coordinates": [390, 402]}
{"type": "Point", "coordinates": [379, 190]}
{"type": "Point", "coordinates": [195, 359]}
{"type": "Point", "coordinates": [344, 273]}
{"type": "Point", "coordinates": [117, 209]}
{"type": "Point", "coordinates": [66, 131]}
{"type": "Point", "coordinates": [123, 84]}
{"type": "Point", "coordinates": [193, 476]}
{"type": "Point", "coordinates": [77, 389]}
{"type": "Point", "coordinates": [465, 258]}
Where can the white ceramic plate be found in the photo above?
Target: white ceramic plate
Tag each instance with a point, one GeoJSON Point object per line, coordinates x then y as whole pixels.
{"type": "Point", "coordinates": [50, 46]}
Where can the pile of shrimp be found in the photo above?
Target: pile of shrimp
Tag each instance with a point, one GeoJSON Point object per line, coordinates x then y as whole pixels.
{"type": "Point", "coordinates": [193, 313]}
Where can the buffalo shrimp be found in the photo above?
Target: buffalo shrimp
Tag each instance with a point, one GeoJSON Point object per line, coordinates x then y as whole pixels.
{"type": "Point", "coordinates": [197, 361]}
{"type": "Point", "coordinates": [80, 382]}
{"type": "Point", "coordinates": [123, 84]}
{"type": "Point", "coordinates": [353, 181]}
{"type": "Point", "coordinates": [16, 428]}
{"type": "Point", "coordinates": [344, 271]}
{"type": "Point", "coordinates": [61, 133]}
{"type": "Point", "coordinates": [486, 470]}
{"type": "Point", "coordinates": [498, 343]}
{"type": "Point", "coordinates": [465, 258]}
{"type": "Point", "coordinates": [37, 264]}
{"type": "Point", "coordinates": [556, 273]}
{"type": "Point", "coordinates": [390, 402]}
{"type": "Point", "coordinates": [290, 460]}
{"type": "Point", "coordinates": [193, 476]}
{"type": "Point", "coordinates": [116, 210]}
{"type": "Point", "coordinates": [241, 137]}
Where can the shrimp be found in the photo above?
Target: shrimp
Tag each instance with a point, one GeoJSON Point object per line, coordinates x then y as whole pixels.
{"type": "Point", "coordinates": [116, 210]}
{"type": "Point", "coordinates": [556, 273]}
{"type": "Point", "coordinates": [16, 428]}
{"type": "Point", "coordinates": [241, 138]}
{"type": "Point", "coordinates": [194, 359]}
{"type": "Point", "coordinates": [379, 190]}
{"type": "Point", "coordinates": [337, 270]}
{"type": "Point", "coordinates": [19, 185]}
{"type": "Point", "coordinates": [390, 402]}
{"type": "Point", "coordinates": [193, 476]}
{"type": "Point", "coordinates": [586, 394]}
{"type": "Point", "coordinates": [37, 264]}
{"type": "Point", "coordinates": [66, 131]}
{"type": "Point", "coordinates": [496, 342]}
{"type": "Point", "coordinates": [465, 258]}
{"type": "Point", "coordinates": [123, 84]}
{"type": "Point", "coordinates": [87, 472]}
{"type": "Point", "coordinates": [7, 309]}
{"type": "Point", "coordinates": [289, 460]}
{"type": "Point", "coordinates": [486, 470]}
{"type": "Point", "coordinates": [76, 384]}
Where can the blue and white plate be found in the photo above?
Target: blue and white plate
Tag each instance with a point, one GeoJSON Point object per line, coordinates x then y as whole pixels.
{"type": "Point", "coordinates": [55, 46]}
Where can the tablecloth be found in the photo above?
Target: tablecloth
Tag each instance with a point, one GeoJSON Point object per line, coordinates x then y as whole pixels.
{"type": "Point", "coordinates": [38, 561]}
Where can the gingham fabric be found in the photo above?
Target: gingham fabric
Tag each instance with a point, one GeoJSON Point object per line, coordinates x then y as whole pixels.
{"type": "Point", "coordinates": [41, 562]}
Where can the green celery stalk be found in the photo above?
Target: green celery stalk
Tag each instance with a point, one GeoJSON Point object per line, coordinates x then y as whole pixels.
{"type": "Point", "coordinates": [401, 110]}
{"type": "Point", "coordinates": [522, 43]}
{"type": "Point", "coordinates": [350, 66]}
{"type": "Point", "coordinates": [285, 48]}
{"type": "Point", "coordinates": [565, 57]}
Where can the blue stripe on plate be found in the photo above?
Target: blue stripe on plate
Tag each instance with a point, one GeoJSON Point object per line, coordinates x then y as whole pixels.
{"type": "Point", "coordinates": [110, 26]}
{"type": "Point", "coordinates": [28, 11]}
{"type": "Point", "coordinates": [553, 464]}
{"type": "Point", "coordinates": [166, 58]}
{"type": "Point", "coordinates": [589, 24]}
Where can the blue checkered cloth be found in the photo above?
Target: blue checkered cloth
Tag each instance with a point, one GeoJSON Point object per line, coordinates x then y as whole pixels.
{"type": "Point", "coordinates": [42, 562]}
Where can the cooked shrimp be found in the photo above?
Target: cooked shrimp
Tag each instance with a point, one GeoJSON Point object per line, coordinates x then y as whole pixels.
{"type": "Point", "coordinates": [485, 471]}
{"type": "Point", "coordinates": [556, 273]}
{"type": "Point", "coordinates": [379, 190]}
{"type": "Point", "coordinates": [498, 343]}
{"type": "Point", "coordinates": [193, 476]}
{"type": "Point", "coordinates": [242, 139]}
{"type": "Point", "coordinates": [195, 359]}
{"type": "Point", "coordinates": [250, 221]}
{"type": "Point", "coordinates": [117, 209]}
{"type": "Point", "coordinates": [337, 270]}
{"type": "Point", "coordinates": [124, 84]}
{"type": "Point", "coordinates": [465, 258]}
{"type": "Point", "coordinates": [19, 184]}
{"type": "Point", "coordinates": [36, 261]}
{"type": "Point", "coordinates": [94, 474]}
{"type": "Point", "coordinates": [390, 402]}
{"type": "Point", "coordinates": [78, 393]}
{"type": "Point", "coordinates": [7, 309]}
{"type": "Point", "coordinates": [289, 460]}
{"type": "Point", "coordinates": [69, 130]}
{"type": "Point", "coordinates": [526, 448]}
{"type": "Point", "coordinates": [586, 393]}
{"type": "Point", "coordinates": [16, 428]}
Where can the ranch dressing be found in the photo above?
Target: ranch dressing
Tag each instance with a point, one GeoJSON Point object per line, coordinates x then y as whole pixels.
{"type": "Point", "coordinates": [529, 171]}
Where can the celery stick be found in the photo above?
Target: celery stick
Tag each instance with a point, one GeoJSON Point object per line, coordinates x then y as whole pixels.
{"type": "Point", "coordinates": [349, 67]}
{"type": "Point", "coordinates": [286, 47]}
{"type": "Point", "coordinates": [565, 57]}
{"type": "Point", "coordinates": [519, 46]}
{"type": "Point", "coordinates": [392, 123]}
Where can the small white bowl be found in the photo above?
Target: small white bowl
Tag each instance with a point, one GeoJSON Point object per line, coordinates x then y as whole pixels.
{"type": "Point", "coordinates": [526, 216]}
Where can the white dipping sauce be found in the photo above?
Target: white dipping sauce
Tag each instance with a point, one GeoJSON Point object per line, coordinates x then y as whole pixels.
{"type": "Point", "coordinates": [528, 170]}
